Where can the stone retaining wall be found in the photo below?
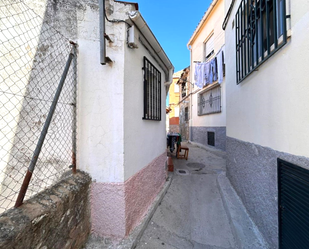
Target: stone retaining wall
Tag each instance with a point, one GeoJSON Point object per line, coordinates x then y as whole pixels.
{"type": "Point", "coordinates": [58, 217]}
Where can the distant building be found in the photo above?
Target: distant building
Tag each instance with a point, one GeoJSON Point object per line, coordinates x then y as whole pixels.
{"type": "Point", "coordinates": [185, 87]}
{"type": "Point", "coordinates": [208, 100]}
{"type": "Point", "coordinates": [174, 104]}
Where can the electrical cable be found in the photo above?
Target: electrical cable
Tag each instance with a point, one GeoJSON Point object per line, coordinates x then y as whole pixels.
{"type": "Point", "coordinates": [116, 20]}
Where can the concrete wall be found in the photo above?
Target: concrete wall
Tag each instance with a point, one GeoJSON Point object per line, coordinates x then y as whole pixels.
{"type": "Point", "coordinates": [267, 117]}
{"type": "Point", "coordinates": [212, 24]}
{"type": "Point", "coordinates": [56, 218]}
{"type": "Point", "coordinates": [199, 135]}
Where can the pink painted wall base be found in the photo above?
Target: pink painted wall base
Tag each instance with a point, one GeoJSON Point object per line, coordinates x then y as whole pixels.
{"type": "Point", "coordinates": [117, 208]}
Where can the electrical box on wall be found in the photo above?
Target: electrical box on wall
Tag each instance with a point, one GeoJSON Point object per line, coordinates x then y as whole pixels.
{"type": "Point", "coordinates": [132, 42]}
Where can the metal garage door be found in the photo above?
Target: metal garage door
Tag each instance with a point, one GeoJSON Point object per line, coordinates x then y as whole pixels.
{"type": "Point", "coordinates": [293, 186]}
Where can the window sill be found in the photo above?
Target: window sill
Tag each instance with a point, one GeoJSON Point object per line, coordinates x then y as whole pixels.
{"type": "Point", "coordinates": [209, 113]}
{"type": "Point", "coordinates": [209, 87]}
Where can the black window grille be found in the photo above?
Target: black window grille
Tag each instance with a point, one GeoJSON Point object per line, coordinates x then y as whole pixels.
{"type": "Point", "coordinates": [209, 101]}
{"type": "Point", "coordinates": [260, 32]}
{"type": "Point", "coordinates": [152, 91]}
{"type": "Point", "coordinates": [211, 138]}
{"type": "Point", "coordinates": [186, 114]}
{"type": "Point", "coordinates": [183, 90]}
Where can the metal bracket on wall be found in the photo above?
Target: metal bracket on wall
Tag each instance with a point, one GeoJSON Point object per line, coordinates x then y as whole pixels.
{"type": "Point", "coordinates": [108, 38]}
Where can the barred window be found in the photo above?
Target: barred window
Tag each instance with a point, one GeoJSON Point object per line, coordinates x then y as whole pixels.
{"type": "Point", "coordinates": [209, 101]}
{"type": "Point", "coordinates": [260, 32]}
{"type": "Point", "coordinates": [186, 114]}
{"type": "Point", "coordinates": [183, 89]}
{"type": "Point", "coordinates": [152, 91]}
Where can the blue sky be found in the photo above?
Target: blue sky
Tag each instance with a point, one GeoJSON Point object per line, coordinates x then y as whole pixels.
{"type": "Point", "coordinates": [173, 23]}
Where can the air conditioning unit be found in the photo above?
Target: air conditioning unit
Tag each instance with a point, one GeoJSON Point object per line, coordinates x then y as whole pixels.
{"type": "Point", "coordinates": [133, 37]}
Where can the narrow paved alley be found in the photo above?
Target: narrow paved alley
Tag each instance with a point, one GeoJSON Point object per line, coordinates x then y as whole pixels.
{"type": "Point", "coordinates": [192, 213]}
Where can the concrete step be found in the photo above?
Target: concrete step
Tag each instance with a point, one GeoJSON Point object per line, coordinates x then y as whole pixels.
{"type": "Point", "coordinates": [244, 230]}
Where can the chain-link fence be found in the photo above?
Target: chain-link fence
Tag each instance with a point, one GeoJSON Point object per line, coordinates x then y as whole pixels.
{"type": "Point", "coordinates": [33, 56]}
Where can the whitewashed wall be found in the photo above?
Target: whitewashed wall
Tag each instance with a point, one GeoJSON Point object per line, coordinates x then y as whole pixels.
{"type": "Point", "coordinates": [270, 107]}
{"type": "Point", "coordinates": [144, 140]}
{"type": "Point", "coordinates": [101, 97]}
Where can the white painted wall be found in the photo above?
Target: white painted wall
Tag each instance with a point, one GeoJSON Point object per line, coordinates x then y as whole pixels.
{"type": "Point", "coordinates": [100, 97]}
{"type": "Point", "coordinates": [144, 140]}
{"type": "Point", "coordinates": [114, 142]}
{"type": "Point", "coordinates": [213, 24]}
{"type": "Point", "coordinates": [270, 107]}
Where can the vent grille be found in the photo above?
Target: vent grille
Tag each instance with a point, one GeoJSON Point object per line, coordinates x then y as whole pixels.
{"type": "Point", "coordinates": [293, 187]}
{"type": "Point", "coordinates": [211, 138]}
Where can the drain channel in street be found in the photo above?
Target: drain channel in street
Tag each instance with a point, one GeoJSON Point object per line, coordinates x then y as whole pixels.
{"type": "Point", "coordinates": [182, 172]}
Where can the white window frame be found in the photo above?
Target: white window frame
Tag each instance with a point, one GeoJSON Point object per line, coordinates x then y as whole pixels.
{"type": "Point", "coordinates": [209, 47]}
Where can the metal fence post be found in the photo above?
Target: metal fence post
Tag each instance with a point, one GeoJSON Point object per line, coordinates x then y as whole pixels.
{"type": "Point", "coordinates": [39, 145]}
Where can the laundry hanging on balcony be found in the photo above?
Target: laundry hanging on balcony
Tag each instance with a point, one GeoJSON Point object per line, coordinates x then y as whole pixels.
{"type": "Point", "coordinates": [220, 63]}
{"type": "Point", "coordinates": [211, 71]}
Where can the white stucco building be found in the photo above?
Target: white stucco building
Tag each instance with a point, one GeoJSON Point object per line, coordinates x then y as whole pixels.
{"type": "Point", "coordinates": [208, 110]}
{"type": "Point", "coordinates": [267, 112]}
{"type": "Point", "coordinates": [121, 138]}
{"type": "Point", "coordinates": [122, 141]}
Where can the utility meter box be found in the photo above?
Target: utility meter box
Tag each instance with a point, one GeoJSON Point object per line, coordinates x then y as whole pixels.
{"type": "Point", "coordinates": [133, 37]}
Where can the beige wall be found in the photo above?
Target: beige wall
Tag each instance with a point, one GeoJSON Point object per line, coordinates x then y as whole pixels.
{"type": "Point", "coordinates": [271, 107]}
{"type": "Point", "coordinates": [174, 100]}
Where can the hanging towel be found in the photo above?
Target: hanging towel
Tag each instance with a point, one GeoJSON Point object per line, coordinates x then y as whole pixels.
{"type": "Point", "coordinates": [206, 74]}
{"type": "Point", "coordinates": [213, 71]}
{"type": "Point", "coordinates": [198, 75]}
{"type": "Point", "coordinates": [220, 62]}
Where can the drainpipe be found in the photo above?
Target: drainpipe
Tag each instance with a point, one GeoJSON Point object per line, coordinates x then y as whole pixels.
{"type": "Point", "coordinates": [102, 32]}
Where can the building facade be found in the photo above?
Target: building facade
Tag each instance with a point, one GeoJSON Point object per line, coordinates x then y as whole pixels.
{"type": "Point", "coordinates": [185, 86]}
{"type": "Point", "coordinates": [121, 138]}
{"type": "Point", "coordinates": [267, 54]}
{"type": "Point", "coordinates": [174, 104]}
{"type": "Point", "coordinates": [208, 101]}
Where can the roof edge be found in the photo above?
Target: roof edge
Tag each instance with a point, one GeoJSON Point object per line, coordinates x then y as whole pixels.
{"type": "Point", "coordinates": [198, 28]}
{"type": "Point", "coordinates": [143, 27]}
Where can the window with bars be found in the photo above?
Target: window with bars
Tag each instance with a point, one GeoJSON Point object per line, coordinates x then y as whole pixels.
{"type": "Point", "coordinates": [152, 91]}
{"type": "Point", "coordinates": [260, 32]}
{"type": "Point", "coordinates": [209, 101]}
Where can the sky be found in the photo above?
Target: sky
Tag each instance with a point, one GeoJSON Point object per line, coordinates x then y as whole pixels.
{"type": "Point", "coordinates": [173, 23]}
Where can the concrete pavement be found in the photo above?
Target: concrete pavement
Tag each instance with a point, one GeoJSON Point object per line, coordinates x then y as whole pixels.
{"type": "Point", "coordinates": [196, 209]}
{"type": "Point", "coordinates": [192, 214]}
